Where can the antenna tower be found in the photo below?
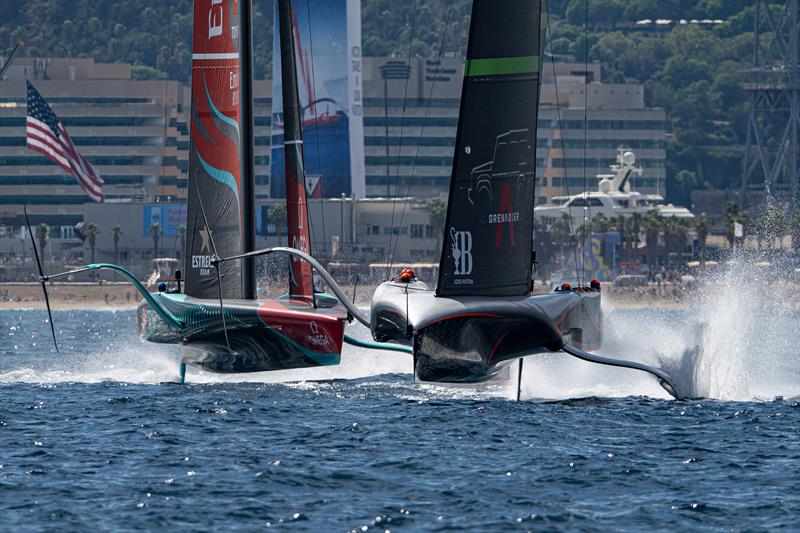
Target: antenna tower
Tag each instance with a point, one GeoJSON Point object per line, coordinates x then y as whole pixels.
{"type": "Point", "coordinates": [773, 128]}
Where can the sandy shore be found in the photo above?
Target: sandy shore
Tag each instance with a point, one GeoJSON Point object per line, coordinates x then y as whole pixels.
{"type": "Point", "coordinates": [123, 296]}
{"type": "Point", "coordinates": [68, 296]}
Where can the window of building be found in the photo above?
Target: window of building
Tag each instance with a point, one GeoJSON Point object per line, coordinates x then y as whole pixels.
{"type": "Point", "coordinates": [395, 230]}
{"type": "Point", "coordinates": [417, 231]}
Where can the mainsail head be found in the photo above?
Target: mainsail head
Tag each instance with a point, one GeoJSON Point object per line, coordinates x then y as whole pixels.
{"type": "Point", "coordinates": [217, 150]}
{"type": "Point", "coordinates": [489, 229]}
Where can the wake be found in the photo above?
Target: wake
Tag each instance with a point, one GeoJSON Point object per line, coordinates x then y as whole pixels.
{"type": "Point", "coordinates": [736, 340]}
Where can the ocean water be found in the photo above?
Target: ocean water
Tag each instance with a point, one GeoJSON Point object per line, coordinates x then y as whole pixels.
{"type": "Point", "coordinates": [101, 438]}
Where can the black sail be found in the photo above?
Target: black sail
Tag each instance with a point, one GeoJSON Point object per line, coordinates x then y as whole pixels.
{"type": "Point", "coordinates": [488, 235]}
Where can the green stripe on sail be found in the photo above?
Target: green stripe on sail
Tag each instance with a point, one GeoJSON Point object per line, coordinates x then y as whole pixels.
{"type": "Point", "coordinates": [497, 66]}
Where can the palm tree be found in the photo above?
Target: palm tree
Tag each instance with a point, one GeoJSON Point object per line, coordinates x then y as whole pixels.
{"type": "Point", "coordinates": [674, 236]}
{"type": "Point", "coordinates": [562, 234]}
{"type": "Point", "coordinates": [155, 232]}
{"type": "Point", "coordinates": [278, 217]}
{"type": "Point", "coordinates": [794, 230]}
{"type": "Point", "coordinates": [91, 232]}
{"type": "Point", "coordinates": [652, 224]}
{"type": "Point", "coordinates": [542, 244]}
{"type": "Point", "coordinates": [625, 227]}
{"type": "Point", "coordinates": [733, 214]}
{"type": "Point", "coordinates": [437, 214]}
{"type": "Point", "coordinates": [600, 223]}
{"type": "Point", "coordinates": [116, 231]}
{"type": "Point", "coordinates": [617, 223]}
{"type": "Point", "coordinates": [41, 236]}
{"type": "Point", "coordinates": [701, 227]}
{"type": "Point", "coordinates": [679, 232]}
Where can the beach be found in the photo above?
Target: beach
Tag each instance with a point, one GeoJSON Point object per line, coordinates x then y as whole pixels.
{"type": "Point", "coordinates": [111, 295]}
{"type": "Point", "coordinates": [120, 295]}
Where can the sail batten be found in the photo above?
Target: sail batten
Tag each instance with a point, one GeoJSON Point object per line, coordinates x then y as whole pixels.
{"type": "Point", "coordinates": [489, 228]}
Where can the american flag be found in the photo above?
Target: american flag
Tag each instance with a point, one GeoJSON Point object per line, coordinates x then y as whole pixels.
{"type": "Point", "coordinates": [47, 135]}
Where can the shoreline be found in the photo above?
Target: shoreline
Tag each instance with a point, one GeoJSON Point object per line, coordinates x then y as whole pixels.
{"type": "Point", "coordinates": [66, 296]}
{"type": "Point", "coordinates": [120, 296]}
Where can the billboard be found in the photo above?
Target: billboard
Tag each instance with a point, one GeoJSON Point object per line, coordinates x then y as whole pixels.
{"type": "Point", "coordinates": [601, 255]}
{"type": "Point", "coordinates": [328, 54]}
{"type": "Point", "coordinates": [169, 216]}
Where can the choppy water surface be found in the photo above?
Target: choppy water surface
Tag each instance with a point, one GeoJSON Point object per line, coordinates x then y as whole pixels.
{"type": "Point", "coordinates": [99, 438]}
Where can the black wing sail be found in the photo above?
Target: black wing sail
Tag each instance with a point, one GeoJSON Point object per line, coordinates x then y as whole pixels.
{"type": "Point", "coordinates": [488, 235]}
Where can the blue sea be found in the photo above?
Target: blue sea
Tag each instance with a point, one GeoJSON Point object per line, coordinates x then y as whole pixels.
{"type": "Point", "coordinates": [101, 438]}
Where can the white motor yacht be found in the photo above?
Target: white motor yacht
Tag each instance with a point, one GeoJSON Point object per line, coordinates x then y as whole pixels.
{"type": "Point", "coordinates": [612, 198]}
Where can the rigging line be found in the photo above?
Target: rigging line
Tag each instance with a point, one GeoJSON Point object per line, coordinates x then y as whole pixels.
{"type": "Point", "coordinates": [183, 200]}
{"type": "Point", "coordinates": [587, 207]}
{"type": "Point", "coordinates": [422, 130]}
{"type": "Point", "coordinates": [163, 155]}
{"type": "Point", "coordinates": [163, 144]}
{"type": "Point", "coordinates": [321, 183]}
{"type": "Point", "coordinates": [533, 195]}
{"type": "Point", "coordinates": [565, 177]}
{"type": "Point", "coordinates": [400, 146]}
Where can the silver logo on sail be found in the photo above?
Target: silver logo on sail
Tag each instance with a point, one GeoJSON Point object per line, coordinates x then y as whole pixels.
{"type": "Point", "coordinates": [461, 249]}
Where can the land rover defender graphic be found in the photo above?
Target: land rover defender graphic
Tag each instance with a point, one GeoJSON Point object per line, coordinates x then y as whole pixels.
{"type": "Point", "coordinates": [513, 157]}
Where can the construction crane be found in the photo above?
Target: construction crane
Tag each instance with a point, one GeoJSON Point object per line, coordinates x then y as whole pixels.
{"type": "Point", "coordinates": [20, 44]}
{"type": "Point", "coordinates": [772, 148]}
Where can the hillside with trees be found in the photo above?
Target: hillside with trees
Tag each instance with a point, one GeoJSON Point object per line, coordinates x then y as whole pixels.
{"type": "Point", "coordinates": [693, 71]}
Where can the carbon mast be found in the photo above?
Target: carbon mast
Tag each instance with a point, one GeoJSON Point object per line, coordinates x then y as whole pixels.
{"type": "Point", "coordinates": [300, 279]}
{"type": "Point", "coordinates": [249, 283]}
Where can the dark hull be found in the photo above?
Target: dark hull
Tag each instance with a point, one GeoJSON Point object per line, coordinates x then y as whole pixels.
{"type": "Point", "coordinates": [471, 340]}
{"type": "Point", "coordinates": [253, 350]}
{"type": "Point", "coordinates": [264, 335]}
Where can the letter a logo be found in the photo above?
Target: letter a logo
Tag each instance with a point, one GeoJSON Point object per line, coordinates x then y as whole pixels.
{"type": "Point", "coordinates": [506, 209]}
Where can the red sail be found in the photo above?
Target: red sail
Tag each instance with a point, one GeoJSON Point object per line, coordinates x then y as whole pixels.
{"type": "Point", "coordinates": [300, 281]}
{"type": "Point", "coordinates": [215, 154]}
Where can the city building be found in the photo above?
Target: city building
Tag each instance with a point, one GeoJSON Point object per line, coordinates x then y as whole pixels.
{"type": "Point", "coordinates": [136, 134]}
{"type": "Point", "coordinates": [419, 116]}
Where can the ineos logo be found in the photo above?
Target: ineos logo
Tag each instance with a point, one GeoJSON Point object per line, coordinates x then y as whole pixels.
{"type": "Point", "coordinates": [461, 246]}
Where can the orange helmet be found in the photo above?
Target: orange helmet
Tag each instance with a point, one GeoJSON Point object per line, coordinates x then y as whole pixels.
{"type": "Point", "coordinates": [406, 276]}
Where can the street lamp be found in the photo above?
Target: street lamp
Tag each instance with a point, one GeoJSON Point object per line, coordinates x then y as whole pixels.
{"type": "Point", "coordinates": [391, 70]}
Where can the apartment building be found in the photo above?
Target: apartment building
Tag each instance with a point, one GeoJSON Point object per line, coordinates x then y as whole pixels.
{"type": "Point", "coordinates": [579, 132]}
{"type": "Point", "coordinates": [136, 133]}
